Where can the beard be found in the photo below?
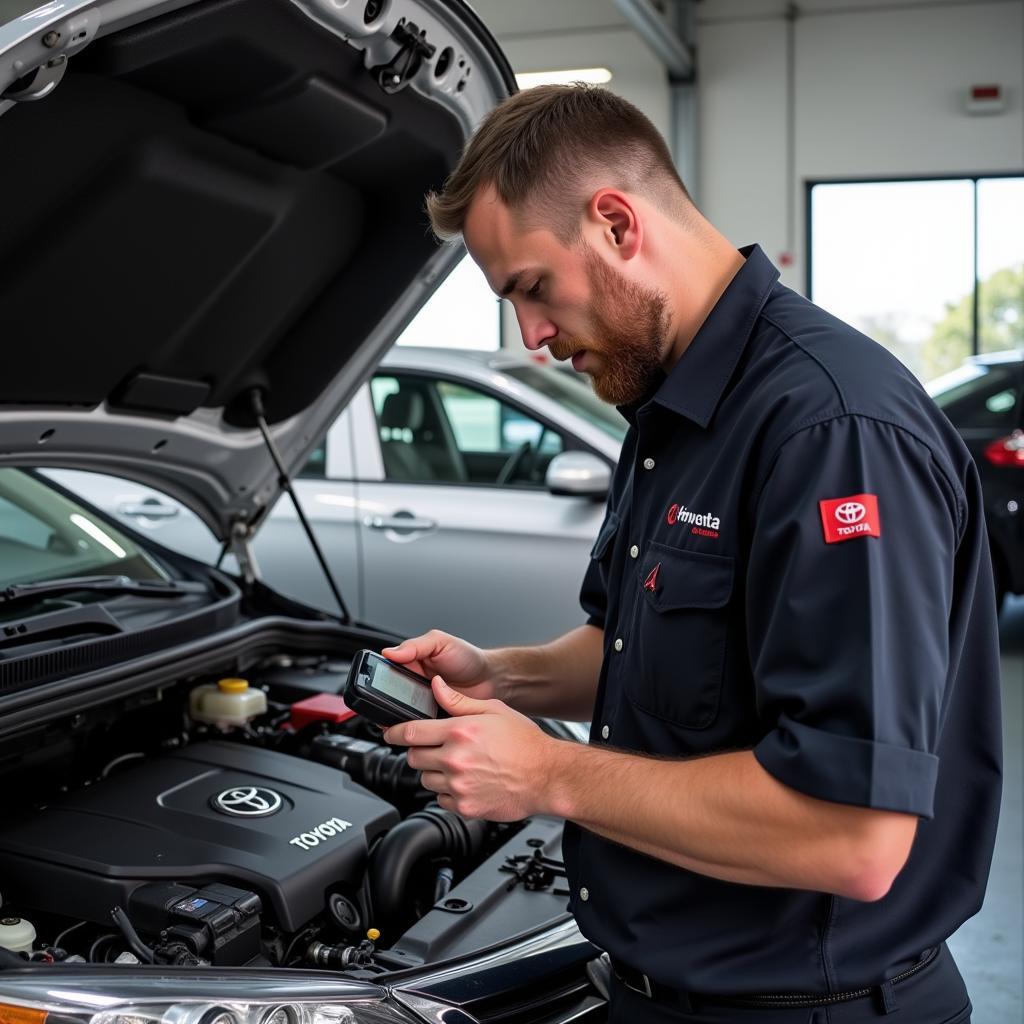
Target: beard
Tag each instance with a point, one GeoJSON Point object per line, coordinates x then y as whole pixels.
{"type": "Point", "coordinates": [630, 326]}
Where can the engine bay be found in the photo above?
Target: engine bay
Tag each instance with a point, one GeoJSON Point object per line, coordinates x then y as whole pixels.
{"type": "Point", "coordinates": [252, 821]}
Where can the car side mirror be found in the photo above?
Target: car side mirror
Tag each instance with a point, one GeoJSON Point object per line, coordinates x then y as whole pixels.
{"type": "Point", "coordinates": [578, 475]}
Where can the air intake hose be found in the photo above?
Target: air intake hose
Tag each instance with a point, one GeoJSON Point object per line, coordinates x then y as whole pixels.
{"type": "Point", "coordinates": [433, 832]}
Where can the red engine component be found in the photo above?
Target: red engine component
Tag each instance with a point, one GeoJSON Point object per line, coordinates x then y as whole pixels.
{"type": "Point", "coordinates": [323, 707]}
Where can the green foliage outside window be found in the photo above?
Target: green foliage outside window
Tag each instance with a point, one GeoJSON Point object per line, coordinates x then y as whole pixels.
{"type": "Point", "coordinates": [1000, 323]}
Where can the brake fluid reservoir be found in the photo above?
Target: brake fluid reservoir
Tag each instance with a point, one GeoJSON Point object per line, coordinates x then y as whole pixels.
{"type": "Point", "coordinates": [226, 703]}
{"type": "Point", "coordinates": [17, 934]}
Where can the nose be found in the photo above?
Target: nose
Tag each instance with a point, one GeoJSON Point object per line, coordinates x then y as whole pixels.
{"type": "Point", "coordinates": [536, 331]}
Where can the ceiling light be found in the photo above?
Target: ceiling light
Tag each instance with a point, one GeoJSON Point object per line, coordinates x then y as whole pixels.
{"type": "Point", "coordinates": [593, 76]}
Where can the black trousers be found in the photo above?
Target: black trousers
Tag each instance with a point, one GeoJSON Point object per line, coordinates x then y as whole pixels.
{"type": "Point", "coordinates": [934, 995]}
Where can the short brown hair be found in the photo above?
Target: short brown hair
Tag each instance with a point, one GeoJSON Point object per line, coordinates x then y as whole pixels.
{"type": "Point", "coordinates": [543, 150]}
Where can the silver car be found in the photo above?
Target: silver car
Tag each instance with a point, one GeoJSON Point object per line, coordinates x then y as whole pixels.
{"type": "Point", "coordinates": [458, 490]}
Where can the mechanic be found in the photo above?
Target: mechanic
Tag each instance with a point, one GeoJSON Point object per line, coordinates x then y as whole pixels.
{"type": "Point", "coordinates": [790, 657]}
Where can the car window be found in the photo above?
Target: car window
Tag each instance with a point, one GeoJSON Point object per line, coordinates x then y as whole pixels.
{"type": "Point", "coordinates": [44, 535]}
{"type": "Point", "coordinates": [498, 441]}
{"type": "Point", "coordinates": [416, 439]}
{"type": "Point", "coordinates": [316, 465]}
{"type": "Point", "coordinates": [380, 388]}
{"type": "Point", "coordinates": [983, 396]}
{"type": "Point", "coordinates": [440, 431]}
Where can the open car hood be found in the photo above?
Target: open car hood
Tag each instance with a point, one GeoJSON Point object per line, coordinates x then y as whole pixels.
{"type": "Point", "coordinates": [203, 198]}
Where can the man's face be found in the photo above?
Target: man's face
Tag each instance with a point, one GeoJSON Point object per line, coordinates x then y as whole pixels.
{"type": "Point", "coordinates": [571, 300]}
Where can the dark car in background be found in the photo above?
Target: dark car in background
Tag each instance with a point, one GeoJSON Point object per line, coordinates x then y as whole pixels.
{"type": "Point", "coordinates": [982, 399]}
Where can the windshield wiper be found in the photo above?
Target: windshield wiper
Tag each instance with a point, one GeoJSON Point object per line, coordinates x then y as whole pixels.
{"type": "Point", "coordinates": [21, 593]}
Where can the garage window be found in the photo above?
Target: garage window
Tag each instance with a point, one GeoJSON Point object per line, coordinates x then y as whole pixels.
{"type": "Point", "coordinates": [932, 269]}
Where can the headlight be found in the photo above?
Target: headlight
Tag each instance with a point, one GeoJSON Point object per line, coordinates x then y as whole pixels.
{"type": "Point", "coordinates": [69, 995]}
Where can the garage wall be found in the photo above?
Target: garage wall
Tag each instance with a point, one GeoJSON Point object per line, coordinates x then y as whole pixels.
{"type": "Point", "coordinates": [879, 91]}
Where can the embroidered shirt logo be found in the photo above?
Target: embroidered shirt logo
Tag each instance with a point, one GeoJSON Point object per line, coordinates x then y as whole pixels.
{"type": "Point", "coordinates": [651, 583]}
{"type": "Point", "coordinates": [847, 518]}
{"type": "Point", "coordinates": [704, 524]}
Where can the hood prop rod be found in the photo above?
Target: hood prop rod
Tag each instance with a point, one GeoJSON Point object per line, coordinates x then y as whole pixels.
{"type": "Point", "coordinates": [286, 484]}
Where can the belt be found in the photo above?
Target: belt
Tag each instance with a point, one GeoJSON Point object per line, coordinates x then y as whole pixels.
{"type": "Point", "coordinates": [882, 996]}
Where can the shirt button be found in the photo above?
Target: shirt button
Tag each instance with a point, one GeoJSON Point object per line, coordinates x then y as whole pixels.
{"type": "Point", "coordinates": [618, 644]}
{"type": "Point", "coordinates": [605, 732]}
{"type": "Point", "coordinates": [634, 551]}
{"type": "Point", "coordinates": [648, 463]}
{"type": "Point", "coordinates": [584, 894]}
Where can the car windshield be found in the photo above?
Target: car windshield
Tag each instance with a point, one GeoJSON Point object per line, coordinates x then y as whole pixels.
{"type": "Point", "coordinates": [574, 395]}
{"type": "Point", "coordinates": [45, 536]}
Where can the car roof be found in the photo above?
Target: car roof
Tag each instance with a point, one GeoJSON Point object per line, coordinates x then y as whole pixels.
{"type": "Point", "coordinates": [488, 368]}
{"type": "Point", "coordinates": [433, 356]}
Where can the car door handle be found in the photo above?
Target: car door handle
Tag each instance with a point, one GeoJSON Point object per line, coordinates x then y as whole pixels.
{"type": "Point", "coordinates": [401, 521]}
{"type": "Point", "coordinates": [148, 510]}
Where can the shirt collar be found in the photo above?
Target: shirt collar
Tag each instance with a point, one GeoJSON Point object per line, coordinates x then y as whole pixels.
{"type": "Point", "coordinates": [695, 386]}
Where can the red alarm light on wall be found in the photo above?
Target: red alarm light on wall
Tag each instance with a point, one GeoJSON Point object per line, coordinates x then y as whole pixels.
{"type": "Point", "coordinates": [985, 99]}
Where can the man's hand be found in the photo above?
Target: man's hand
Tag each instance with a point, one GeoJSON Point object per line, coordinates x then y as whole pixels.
{"type": "Point", "coordinates": [437, 653]}
{"type": "Point", "coordinates": [486, 761]}
{"type": "Point", "coordinates": [554, 680]}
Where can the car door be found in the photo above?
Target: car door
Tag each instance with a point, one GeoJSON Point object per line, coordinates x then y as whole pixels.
{"type": "Point", "coordinates": [458, 531]}
{"type": "Point", "coordinates": [326, 491]}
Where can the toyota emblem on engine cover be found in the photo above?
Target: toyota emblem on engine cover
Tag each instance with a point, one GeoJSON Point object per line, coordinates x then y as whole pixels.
{"type": "Point", "coordinates": [248, 801]}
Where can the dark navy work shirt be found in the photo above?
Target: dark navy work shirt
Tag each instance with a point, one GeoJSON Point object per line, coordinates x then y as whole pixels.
{"type": "Point", "coordinates": [794, 561]}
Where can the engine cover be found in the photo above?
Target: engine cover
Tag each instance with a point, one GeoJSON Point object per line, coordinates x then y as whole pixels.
{"type": "Point", "coordinates": [284, 827]}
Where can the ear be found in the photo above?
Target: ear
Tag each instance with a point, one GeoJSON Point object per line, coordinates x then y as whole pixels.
{"type": "Point", "coordinates": [618, 219]}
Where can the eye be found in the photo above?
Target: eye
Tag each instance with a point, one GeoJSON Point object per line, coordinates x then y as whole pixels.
{"type": "Point", "coordinates": [534, 290]}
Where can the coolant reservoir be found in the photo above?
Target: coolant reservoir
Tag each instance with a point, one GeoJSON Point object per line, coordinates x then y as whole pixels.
{"type": "Point", "coordinates": [17, 934]}
{"type": "Point", "coordinates": [226, 703]}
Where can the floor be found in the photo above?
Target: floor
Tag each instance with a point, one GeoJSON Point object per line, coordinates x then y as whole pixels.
{"type": "Point", "coordinates": [990, 947]}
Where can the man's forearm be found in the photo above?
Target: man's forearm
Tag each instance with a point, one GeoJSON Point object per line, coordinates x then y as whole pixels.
{"type": "Point", "coordinates": [555, 680]}
{"type": "Point", "coordinates": [726, 817]}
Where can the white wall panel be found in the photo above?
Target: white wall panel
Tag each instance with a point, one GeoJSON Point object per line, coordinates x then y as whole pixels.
{"type": "Point", "coordinates": [885, 91]}
{"type": "Point", "coordinates": [741, 101]}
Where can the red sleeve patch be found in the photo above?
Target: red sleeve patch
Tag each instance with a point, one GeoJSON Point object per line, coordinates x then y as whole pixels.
{"type": "Point", "coordinates": [847, 518]}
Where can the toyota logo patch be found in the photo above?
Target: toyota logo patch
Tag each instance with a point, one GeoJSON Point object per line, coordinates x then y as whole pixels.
{"type": "Point", "coordinates": [855, 515]}
{"type": "Point", "coordinates": [850, 512]}
{"type": "Point", "coordinates": [247, 802]}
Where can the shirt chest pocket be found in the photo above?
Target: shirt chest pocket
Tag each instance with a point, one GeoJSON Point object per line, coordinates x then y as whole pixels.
{"type": "Point", "coordinates": [680, 635]}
